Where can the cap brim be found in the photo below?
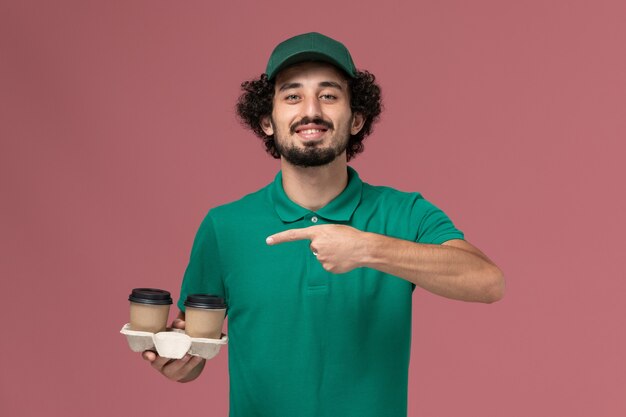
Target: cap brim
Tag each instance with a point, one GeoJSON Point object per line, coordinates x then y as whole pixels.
{"type": "Point", "coordinates": [306, 56]}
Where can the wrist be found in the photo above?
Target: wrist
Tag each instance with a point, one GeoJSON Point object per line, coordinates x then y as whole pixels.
{"type": "Point", "coordinates": [370, 249]}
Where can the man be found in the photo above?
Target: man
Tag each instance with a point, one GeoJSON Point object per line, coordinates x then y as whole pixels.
{"type": "Point", "coordinates": [318, 268]}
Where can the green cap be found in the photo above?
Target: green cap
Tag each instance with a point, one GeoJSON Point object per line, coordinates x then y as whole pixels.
{"type": "Point", "coordinates": [310, 47]}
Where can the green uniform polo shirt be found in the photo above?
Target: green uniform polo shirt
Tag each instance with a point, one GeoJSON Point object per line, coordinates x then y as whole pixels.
{"type": "Point", "coordinates": [304, 342]}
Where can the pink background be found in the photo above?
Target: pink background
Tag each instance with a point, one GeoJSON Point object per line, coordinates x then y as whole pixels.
{"type": "Point", "coordinates": [118, 133]}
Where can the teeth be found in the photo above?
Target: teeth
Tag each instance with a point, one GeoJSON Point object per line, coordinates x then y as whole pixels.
{"type": "Point", "coordinates": [309, 131]}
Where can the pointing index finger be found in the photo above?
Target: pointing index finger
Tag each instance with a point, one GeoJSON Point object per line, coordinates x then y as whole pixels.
{"type": "Point", "coordinates": [291, 235]}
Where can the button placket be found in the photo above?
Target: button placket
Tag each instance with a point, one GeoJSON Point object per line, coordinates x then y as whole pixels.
{"type": "Point", "coordinates": [317, 276]}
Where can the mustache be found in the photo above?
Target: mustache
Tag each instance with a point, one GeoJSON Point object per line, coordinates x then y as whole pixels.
{"type": "Point", "coordinates": [307, 120]}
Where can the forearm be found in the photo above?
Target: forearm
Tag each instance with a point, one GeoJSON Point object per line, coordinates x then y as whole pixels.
{"type": "Point", "coordinates": [444, 270]}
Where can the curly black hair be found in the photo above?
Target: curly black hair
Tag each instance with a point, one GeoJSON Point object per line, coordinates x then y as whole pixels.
{"type": "Point", "coordinates": [258, 94]}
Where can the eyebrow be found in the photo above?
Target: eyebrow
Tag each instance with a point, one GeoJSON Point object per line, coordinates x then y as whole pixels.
{"type": "Point", "coordinates": [331, 84]}
{"type": "Point", "coordinates": [288, 86]}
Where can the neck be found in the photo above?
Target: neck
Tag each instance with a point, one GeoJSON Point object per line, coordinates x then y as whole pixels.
{"type": "Point", "coordinates": [314, 187]}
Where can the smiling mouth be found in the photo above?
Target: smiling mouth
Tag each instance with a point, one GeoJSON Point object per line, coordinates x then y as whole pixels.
{"type": "Point", "coordinates": [311, 126]}
{"type": "Point", "coordinates": [311, 133]}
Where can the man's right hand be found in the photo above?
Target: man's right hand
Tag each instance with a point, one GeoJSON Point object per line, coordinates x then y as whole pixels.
{"type": "Point", "coordinates": [181, 370]}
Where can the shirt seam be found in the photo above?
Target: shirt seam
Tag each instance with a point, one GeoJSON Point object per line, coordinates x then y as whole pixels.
{"type": "Point", "coordinates": [219, 255]}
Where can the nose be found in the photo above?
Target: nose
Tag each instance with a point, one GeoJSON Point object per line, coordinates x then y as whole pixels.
{"type": "Point", "coordinates": [312, 107]}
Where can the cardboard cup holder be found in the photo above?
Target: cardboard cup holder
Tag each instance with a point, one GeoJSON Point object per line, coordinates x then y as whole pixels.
{"type": "Point", "coordinates": [172, 343]}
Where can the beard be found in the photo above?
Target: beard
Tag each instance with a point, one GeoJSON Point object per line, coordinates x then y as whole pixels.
{"type": "Point", "coordinates": [312, 155]}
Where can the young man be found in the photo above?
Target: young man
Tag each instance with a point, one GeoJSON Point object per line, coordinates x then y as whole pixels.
{"type": "Point", "coordinates": [318, 267]}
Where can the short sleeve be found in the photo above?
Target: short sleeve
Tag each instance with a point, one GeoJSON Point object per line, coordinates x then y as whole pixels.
{"type": "Point", "coordinates": [435, 227]}
{"type": "Point", "coordinates": [203, 274]}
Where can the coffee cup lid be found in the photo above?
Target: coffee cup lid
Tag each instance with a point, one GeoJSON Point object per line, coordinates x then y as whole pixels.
{"type": "Point", "coordinates": [150, 296]}
{"type": "Point", "coordinates": [205, 301]}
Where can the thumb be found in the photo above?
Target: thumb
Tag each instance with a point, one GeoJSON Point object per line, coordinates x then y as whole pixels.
{"type": "Point", "coordinates": [178, 324]}
{"type": "Point", "coordinates": [149, 355]}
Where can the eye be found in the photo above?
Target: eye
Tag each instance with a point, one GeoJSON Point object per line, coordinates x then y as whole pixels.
{"type": "Point", "coordinates": [292, 97]}
{"type": "Point", "coordinates": [328, 97]}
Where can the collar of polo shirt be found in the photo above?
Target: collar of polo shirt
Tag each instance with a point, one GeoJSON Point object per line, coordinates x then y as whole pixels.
{"type": "Point", "coordinates": [339, 209]}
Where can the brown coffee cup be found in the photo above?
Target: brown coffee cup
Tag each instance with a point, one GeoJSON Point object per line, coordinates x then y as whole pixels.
{"type": "Point", "coordinates": [149, 309]}
{"type": "Point", "coordinates": [204, 316]}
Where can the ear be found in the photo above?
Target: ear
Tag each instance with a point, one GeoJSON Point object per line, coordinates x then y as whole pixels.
{"type": "Point", "coordinates": [266, 125]}
{"type": "Point", "coordinates": [357, 123]}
